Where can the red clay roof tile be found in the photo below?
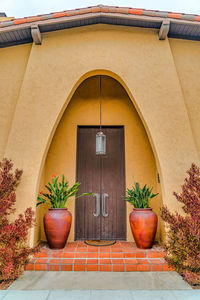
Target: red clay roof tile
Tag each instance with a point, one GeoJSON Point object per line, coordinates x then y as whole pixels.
{"type": "Point", "coordinates": [60, 14]}
{"type": "Point", "coordinates": [175, 15]}
{"type": "Point", "coordinates": [135, 11]}
{"type": "Point", "coordinates": [19, 21]}
{"type": "Point", "coordinates": [95, 9]}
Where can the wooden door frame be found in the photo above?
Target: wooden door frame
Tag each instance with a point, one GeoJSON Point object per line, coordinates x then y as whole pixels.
{"type": "Point", "coordinates": [124, 181]}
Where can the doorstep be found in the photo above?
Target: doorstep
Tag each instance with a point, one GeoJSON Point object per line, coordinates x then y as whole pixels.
{"type": "Point", "coordinates": [120, 257]}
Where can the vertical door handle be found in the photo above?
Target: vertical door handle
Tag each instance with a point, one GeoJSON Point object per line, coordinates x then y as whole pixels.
{"type": "Point", "coordinates": [104, 213]}
{"type": "Point", "coordinates": [97, 213]}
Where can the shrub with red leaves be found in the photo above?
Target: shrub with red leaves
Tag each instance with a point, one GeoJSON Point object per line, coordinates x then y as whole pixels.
{"type": "Point", "coordinates": [14, 251]}
{"type": "Point", "coordinates": [183, 237]}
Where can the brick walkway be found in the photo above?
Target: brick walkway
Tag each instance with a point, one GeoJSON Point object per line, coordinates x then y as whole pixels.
{"type": "Point", "coordinates": [120, 257]}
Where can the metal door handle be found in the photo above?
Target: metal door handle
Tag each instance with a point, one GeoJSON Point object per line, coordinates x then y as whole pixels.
{"type": "Point", "coordinates": [97, 213]}
{"type": "Point", "coordinates": [104, 213]}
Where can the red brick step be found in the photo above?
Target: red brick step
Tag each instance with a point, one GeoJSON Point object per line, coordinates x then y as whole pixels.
{"type": "Point", "coordinates": [120, 257]}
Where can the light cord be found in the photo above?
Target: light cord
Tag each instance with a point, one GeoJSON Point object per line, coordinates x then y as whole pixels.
{"type": "Point", "coordinates": [100, 101]}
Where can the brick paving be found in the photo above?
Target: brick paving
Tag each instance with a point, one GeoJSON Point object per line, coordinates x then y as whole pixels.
{"type": "Point", "coordinates": [120, 257]}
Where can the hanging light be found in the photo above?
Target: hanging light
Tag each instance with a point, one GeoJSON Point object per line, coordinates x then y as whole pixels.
{"type": "Point", "coordinates": [100, 143]}
{"type": "Point", "coordinates": [100, 136]}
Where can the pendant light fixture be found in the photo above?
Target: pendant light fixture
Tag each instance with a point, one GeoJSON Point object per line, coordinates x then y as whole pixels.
{"type": "Point", "coordinates": [100, 137]}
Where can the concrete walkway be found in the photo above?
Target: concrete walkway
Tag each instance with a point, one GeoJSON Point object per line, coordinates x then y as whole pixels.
{"type": "Point", "coordinates": [100, 285]}
{"type": "Point", "coordinates": [99, 281]}
{"type": "Point", "coordinates": [99, 295]}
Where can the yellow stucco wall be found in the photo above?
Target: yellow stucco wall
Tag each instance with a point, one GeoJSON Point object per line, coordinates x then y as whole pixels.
{"type": "Point", "coordinates": [186, 56]}
{"type": "Point", "coordinates": [13, 62]}
{"type": "Point", "coordinates": [147, 68]}
{"type": "Point", "coordinates": [117, 109]}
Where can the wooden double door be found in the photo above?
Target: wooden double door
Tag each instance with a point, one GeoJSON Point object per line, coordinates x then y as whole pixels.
{"type": "Point", "coordinates": [103, 215]}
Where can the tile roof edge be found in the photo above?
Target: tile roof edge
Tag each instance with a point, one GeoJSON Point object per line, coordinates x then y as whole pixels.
{"type": "Point", "coordinates": [104, 9]}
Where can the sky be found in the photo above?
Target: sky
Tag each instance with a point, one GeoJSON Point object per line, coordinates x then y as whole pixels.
{"type": "Point", "coordinates": [24, 8]}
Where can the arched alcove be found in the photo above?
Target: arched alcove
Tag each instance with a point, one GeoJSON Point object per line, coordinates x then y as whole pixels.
{"type": "Point", "coordinates": [117, 110]}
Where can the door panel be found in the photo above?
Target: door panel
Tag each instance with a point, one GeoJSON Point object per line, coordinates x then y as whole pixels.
{"type": "Point", "coordinates": [102, 175]}
{"type": "Point", "coordinates": [88, 174]}
{"type": "Point", "coordinates": [113, 184]}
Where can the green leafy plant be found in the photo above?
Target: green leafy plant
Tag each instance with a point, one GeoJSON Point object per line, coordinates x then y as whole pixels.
{"type": "Point", "coordinates": [139, 197]}
{"type": "Point", "coordinates": [59, 193]}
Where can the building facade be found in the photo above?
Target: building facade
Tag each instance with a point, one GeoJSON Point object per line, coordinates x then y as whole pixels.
{"type": "Point", "coordinates": [149, 63]}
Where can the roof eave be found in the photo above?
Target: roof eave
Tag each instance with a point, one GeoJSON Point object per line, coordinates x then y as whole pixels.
{"type": "Point", "coordinates": [11, 35]}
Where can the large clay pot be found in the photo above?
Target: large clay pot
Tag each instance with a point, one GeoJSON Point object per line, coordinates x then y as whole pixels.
{"type": "Point", "coordinates": [57, 224]}
{"type": "Point", "coordinates": [143, 223]}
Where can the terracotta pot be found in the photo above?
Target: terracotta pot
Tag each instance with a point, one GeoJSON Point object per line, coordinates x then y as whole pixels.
{"type": "Point", "coordinates": [57, 224]}
{"type": "Point", "coordinates": [143, 223]}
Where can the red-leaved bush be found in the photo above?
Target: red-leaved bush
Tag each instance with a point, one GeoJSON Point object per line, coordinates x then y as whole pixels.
{"type": "Point", "coordinates": [14, 251]}
{"type": "Point", "coordinates": [183, 235]}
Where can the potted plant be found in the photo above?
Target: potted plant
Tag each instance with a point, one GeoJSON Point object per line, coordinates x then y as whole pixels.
{"type": "Point", "coordinates": [143, 220]}
{"type": "Point", "coordinates": [57, 220]}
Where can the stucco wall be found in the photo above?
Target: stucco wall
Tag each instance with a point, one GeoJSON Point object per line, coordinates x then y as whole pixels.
{"type": "Point", "coordinates": [139, 61]}
{"type": "Point", "coordinates": [117, 109]}
{"type": "Point", "coordinates": [13, 62]}
{"type": "Point", "coordinates": [186, 56]}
